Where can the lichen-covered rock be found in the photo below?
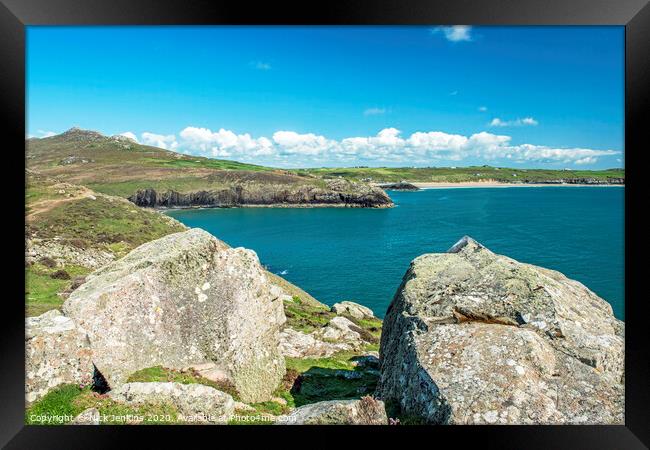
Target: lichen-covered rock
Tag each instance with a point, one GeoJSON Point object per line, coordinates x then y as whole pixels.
{"type": "Point", "coordinates": [195, 402]}
{"type": "Point", "coordinates": [37, 249]}
{"type": "Point", "coordinates": [353, 309]}
{"type": "Point", "coordinates": [366, 411]}
{"type": "Point", "coordinates": [296, 344]}
{"type": "Point", "coordinates": [341, 330]}
{"type": "Point", "coordinates": [472, 337]}
{"type": "Point", "coordinates": [182, 300]}
{"type": "Point", "coordinates": [56, 352]}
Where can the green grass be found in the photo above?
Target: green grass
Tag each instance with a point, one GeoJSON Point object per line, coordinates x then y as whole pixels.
{"type": "Point", "coordinates": [62, 404]}
{"type": "Point", "coordinates": [306, 317]}
{"type": "Point", "coordinates": [129, 187]}
{"type": "Point", "coordinates": [205, 163]}
{"type": "Point", "coordinates": [96, 223]}
{"type": "Point", "coordinates": [58, 402]}
{"type": "Point", "coordinates": [320, 379]}
{"type": "Point", "coordinates": [162, 374]}
{"type": "Point", "coordinates": [41, 290]}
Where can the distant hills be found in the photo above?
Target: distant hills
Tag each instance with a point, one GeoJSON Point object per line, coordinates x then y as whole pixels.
{"type": "Point", "coordinates": [117, 165]}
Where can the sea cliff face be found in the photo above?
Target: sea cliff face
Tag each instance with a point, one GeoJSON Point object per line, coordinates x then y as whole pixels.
{"type": "Point", "coordinates": [335, 193]}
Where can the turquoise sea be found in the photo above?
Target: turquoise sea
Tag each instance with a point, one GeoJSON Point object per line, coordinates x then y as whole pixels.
{"type": "Point", "coordinates": [361, 254]}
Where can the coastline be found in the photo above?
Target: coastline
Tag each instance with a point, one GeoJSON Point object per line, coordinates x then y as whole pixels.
{"type": "Point", "coordinates": [496, 184]}
{"type": "Point", "coordinates": [272, 205]}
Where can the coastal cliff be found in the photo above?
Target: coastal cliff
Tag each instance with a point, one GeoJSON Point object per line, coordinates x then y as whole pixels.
{"type": "Point", "coordinates": [156, 177]}
{"type": "Point", "coordinates": [334, 193]}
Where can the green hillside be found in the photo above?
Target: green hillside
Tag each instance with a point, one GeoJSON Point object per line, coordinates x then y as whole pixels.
{"type": "Point", "coordinates": [119, 166]}
{"type": "Point", "coordinates": [459, 174]}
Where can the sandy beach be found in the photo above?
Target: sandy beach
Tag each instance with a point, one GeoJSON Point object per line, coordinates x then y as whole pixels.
{"type": "Point", "coordinates": [495, 184]}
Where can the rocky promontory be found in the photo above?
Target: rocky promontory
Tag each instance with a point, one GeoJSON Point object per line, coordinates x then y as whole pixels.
{"type": "Point", "coordinates": [333, 193]}
{"type": "Point", "coordinates": [472, 337]}
{"type": "Point", "coordinates": [401, 186]}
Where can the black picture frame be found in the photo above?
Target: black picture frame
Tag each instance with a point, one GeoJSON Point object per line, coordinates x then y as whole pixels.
{"type": "Point", "coordinates": [633, 14]}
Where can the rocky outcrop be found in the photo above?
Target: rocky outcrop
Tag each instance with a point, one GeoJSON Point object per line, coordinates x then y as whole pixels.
{"type": "Point", "coordinates": [56, 352]}
{"type": "Point", "coordinates": [401, 186]}
{"type": "Point", "coordinates": [341, 330]}
{"type": "Point", "coordinates": [587, 180]}
{"type": "Point", "coordinates": [340, 334]}
{"type": "Point", "coordinates": [366, 411]}
{"type": "Point", "coordinates": [296, 344]}
{"type": "Point", "coordinates": [179, 301]}
{"type": "Point", "coordinates": [353, 309]}
{"type": "Point", "coordinates": [195, 402]}
{"type": "Point", "coordinates": [63, 253]}
{"type": "Point", "coordinates": [333, 193]}
{"type": "Point", "coordinates": [472, 337]}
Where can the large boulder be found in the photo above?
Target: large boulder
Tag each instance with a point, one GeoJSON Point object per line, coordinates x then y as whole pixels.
{"type": "Point", "coordinates": [57, 352]}
{"type": "Point", "coordinates": [183, 300]}
{"type": "Point", "coordinates": [353, 309]}
{"type": "Point", "coordinates": [366, 411]}
{"type": "Point", "coordinates": [194, 402]}
{"type": "Point", "coordinates": [472, 337]}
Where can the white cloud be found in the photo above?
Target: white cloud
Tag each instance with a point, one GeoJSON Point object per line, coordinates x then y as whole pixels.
{"type": "Point", "coordinates": [482, 108]}
{"type": "Point", "coordinates": [42, 134]}
{"type": "Point", "coordinates": [291, 143]}
{"type": "Point", "coordinates": [129, 135]}
{"type": "Point", "coordinates": [167, 142]}
{"type": "Point", "coordinates": [456, 33]}
{"type": "Point", "coordinates": [374, 111]}
{"type": "Point", "coordinates": [224, 143]}
{"type": "Point", "coordinates": [496, 122]}
{"type": "Point", "coordinates": [292, 149]}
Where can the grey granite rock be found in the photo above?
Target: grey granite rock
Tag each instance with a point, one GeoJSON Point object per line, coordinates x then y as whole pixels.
{"type": "Point", "coordinates": [182, 300]}
{"type": "Point", "coordinates": [473, 337]}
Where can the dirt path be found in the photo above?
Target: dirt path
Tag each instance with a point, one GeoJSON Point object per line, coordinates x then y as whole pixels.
{"type": "Point", "coordinates": [46, 205]}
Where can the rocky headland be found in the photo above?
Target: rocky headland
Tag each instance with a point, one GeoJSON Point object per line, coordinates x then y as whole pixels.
{"type": "Point", "coordinates": [401, 186]}
{"type": "Point", "coordinates": [332, 193]}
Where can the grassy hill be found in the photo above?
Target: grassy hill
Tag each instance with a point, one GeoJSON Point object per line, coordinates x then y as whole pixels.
{"type": "Point", "coordinates": [459, 174]}
{"type": "Point", "coordinates": [71, 230]}
{"type": "Point", "coordinates": [119, 166]}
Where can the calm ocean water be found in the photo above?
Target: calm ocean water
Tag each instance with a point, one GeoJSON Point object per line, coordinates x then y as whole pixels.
{"type": "Point", "coordinates": [361, 254]}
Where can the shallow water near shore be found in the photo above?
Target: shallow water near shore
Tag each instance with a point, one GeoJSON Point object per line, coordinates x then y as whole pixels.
{"type": "Point", "coordinates": [361, 254]}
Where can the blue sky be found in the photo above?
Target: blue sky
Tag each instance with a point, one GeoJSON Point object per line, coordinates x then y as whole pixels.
{"type": "Point", "coordinates": [340, 96]}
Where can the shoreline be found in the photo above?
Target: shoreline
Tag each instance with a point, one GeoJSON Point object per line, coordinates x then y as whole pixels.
{"type": "Point", "coordinates": [272, 205]}
{"type": "Point", "coordinates": [496, 184]}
